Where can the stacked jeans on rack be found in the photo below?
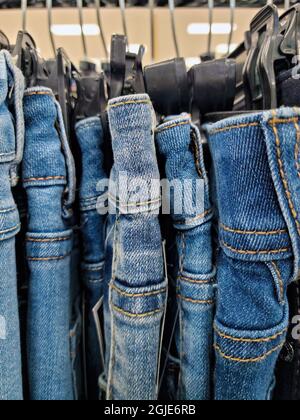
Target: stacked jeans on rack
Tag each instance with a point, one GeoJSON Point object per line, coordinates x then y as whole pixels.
{"type": "Point", "coordinates": [161, 277]}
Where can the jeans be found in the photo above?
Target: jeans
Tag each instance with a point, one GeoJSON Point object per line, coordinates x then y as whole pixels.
{"type": "Point", "coordinates": [180, 146]}
{"type": "Point", "coordinates": [256, 167]}
{"type": "Point", "coordinates": [49, 181]}
{"type": "Point", "coordinates": [136, 299]}
{"type": "Point", "coordinates": [91, 142]}
{"type": "Point", "coordinates": [11, 150]}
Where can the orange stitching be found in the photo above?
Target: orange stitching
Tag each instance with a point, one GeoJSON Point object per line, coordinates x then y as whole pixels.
{"type": "Point", "coordinates": [129, 103]}
{"type": "Point", "coordinates": [249, 252]}
{"type": "Point", "coordinates": [297, 146]}
{"type": "Point", "coordinates": [10, 229]}
{"type": "Point", "coordinates": [158, 292]}
{"type": "Point", "coordinates": [250, 340]}
{"type": "Point", "coordinates": [44, 179]}
{"type": "Point", "coordinates": [49, 258]}
{"type": "Point", "coordinates": [282, 174]}
{"type": "Point", "coordinates": [48, 240]}
{"type": "Point", "coordinates": [283, 121]}
{"type": "Point", "coordinates": [203, 302]}
{"type": "Point", "coordinates": [257, 359]}
{"type": "Point", "coordinates": [253, 232]}
{"type": "Point", "coordinates": [233, 127]}
{"type": "Point", "coordinates": [130, 314]}
{"type": "Point", "coordinates": [194, 218]}
{"type": "Point", "coordinates": [193, 281]}
{"type": "Point", "coordinates": [38, 93]}
{"type": "Point", "coordinates": [183, 123]}
{"type": "Point", "coordinates": [281, 284]}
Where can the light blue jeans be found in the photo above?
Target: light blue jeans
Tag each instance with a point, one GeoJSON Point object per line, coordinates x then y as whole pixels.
{"type": "Point", "coordinates": [256, 168]}
{"type": "Point", "coordinates": [136, 300]}
{"type": "Point", "coordinates": [49, 180]}
{"type": "Point", "coordinates": [179, 144]}
{"type": "Point", "coordinates": [93, 198]}
{"type": "Point", "coordinates": [11, 151]}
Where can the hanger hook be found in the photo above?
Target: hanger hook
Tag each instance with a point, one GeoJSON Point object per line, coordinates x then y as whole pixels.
{"type": "Point", "coordinates": [122, 6]}
{"type": "Point", "coordinates": [24, 14]}
{"type": "Point", "coordinates": [99, 22]}
{"type": "Point", "coordinates": [80, 14]}
{"type": "Point", "coordinates": [151, 5]}
{"type": "Point", "coordinates": [211, 5]}
{"type": "Point", "coordinates": [173, 24]}
{"type": "Point", "coordinates": [232, 14]}
{"type": "Point", "coordinates": [49, 8]}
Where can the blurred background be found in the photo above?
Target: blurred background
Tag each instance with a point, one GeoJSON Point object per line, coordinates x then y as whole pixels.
{"type": "Point", "coordinates": [166, 28]}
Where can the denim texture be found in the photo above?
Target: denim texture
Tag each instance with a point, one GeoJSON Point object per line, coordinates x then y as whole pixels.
{"type": "Point", "coordinates": [91, 141]}
{"type": "Point", "coordinates": [137, 289]}
{"type": "Point", "coordinates": [179, 144]}
{"type": "Point", "coordinates": [49, 181]}
{"type": "Point", "coordinates": [256, 166]}
{"type": "Point", "coordinates": [11, 146]}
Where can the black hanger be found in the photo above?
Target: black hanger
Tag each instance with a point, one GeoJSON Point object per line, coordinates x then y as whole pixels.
{"type": "Point", "coordinates": [213, 86]}
{"type": "Point", "coordinates": [167, 86]}
{"type": "Point", "coordinates": [59, 75]}
{"type": "Point", "coordinates": [126, 71]}
{"type": "Point", "coordinates": [4, 42]}
{"type": "Point", "coordinates": [259, 73]}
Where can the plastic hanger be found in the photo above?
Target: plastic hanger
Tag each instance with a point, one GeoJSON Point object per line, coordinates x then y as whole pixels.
{"type": "Point", "coordinates": [24, 14]}
{"type": "Point", "coordinates": [264, 30]}
{"type": "Point", "coordinates": [167, 86]}
{"type": "Point", "coordinates": [173, 26]}
{"type": "Point", "coordinates": [126, 71]}
{"type": "Point", "coordinates": [213, 86]}
{"type": "Point", "coordinates": [151, 4]}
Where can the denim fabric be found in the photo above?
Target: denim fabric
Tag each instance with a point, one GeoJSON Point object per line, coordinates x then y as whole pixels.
{"type": "Point", "coordinates": [48, 177]}
{"type": "Point", "coordinates": [12, 136]}
{"type": "Point", "coordinates": [91, 142]}
{"type": "Point", "coordinates": [256, 165]}
{"type": "Point", "coordinates": [180, 145]}
{"type": "Point", "coordinates": [137, 295]}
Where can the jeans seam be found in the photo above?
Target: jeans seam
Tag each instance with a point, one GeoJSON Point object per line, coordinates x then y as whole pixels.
{"type": "Point", "coordinates": [48, 178]}
{"type": "Point", "coordinates": [137, 295]}
{"type": "Point", "coordinates": [249, 340]}
{"type": "Point", "coordinates": [183, 123]}
{"type": "Point", "coordinates": [282, 172]}
{"type": "Point", "coordinates": [63, 239]}
{"type": "Point", "coordinates": [193, 281]}
{"type": "Point", "coordinates": [252, 232]}
{"type": "Point", "coordinates": [196, 301]}
{"type": "Point", "coordinates": [297, 147]}
{"type": "Point", "coordinates": [62, 257]}
{"type": "Point", "coordinates": [251, 360]}
{"type": "Point", "coordinates": [190, 221]}
{"type": "Point", "coordinates": [133, 315]}
{"type": "Point", "coordinates": [252, 252]}
{"type": "Point", "coordinates": [234, 127]}
{"type": "Point", "coordinates": [142, 102]}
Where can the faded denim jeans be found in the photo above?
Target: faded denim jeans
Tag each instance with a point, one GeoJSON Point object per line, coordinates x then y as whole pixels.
{"type": "Point", "coordinates": [93, 198]}
{"type": "Point", "coordinates": [136, 300]}
{"type": "Point", "coordinates": [49, 181]}
{"type": "Point", "coordinates": [11, 151]}
{"type": "Point", "coordinates": [256, 167]}
{"type": "Point", "coordinates": [179, 144]}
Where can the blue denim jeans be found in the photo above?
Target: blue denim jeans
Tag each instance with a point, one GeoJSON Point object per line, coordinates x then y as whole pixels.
{"type": "Point", "coordinates": [179, 144]}
{"type": "Point", "coordinates": [92, 197]}
{"type": "Point", "coordinates": [256, 167]}
{"type": "Point", "coordinates": [11, 150]}
{"type": "Point", "coordinates": [49, 181]}
{"type": "Point", "coordinates": [136, 299]}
